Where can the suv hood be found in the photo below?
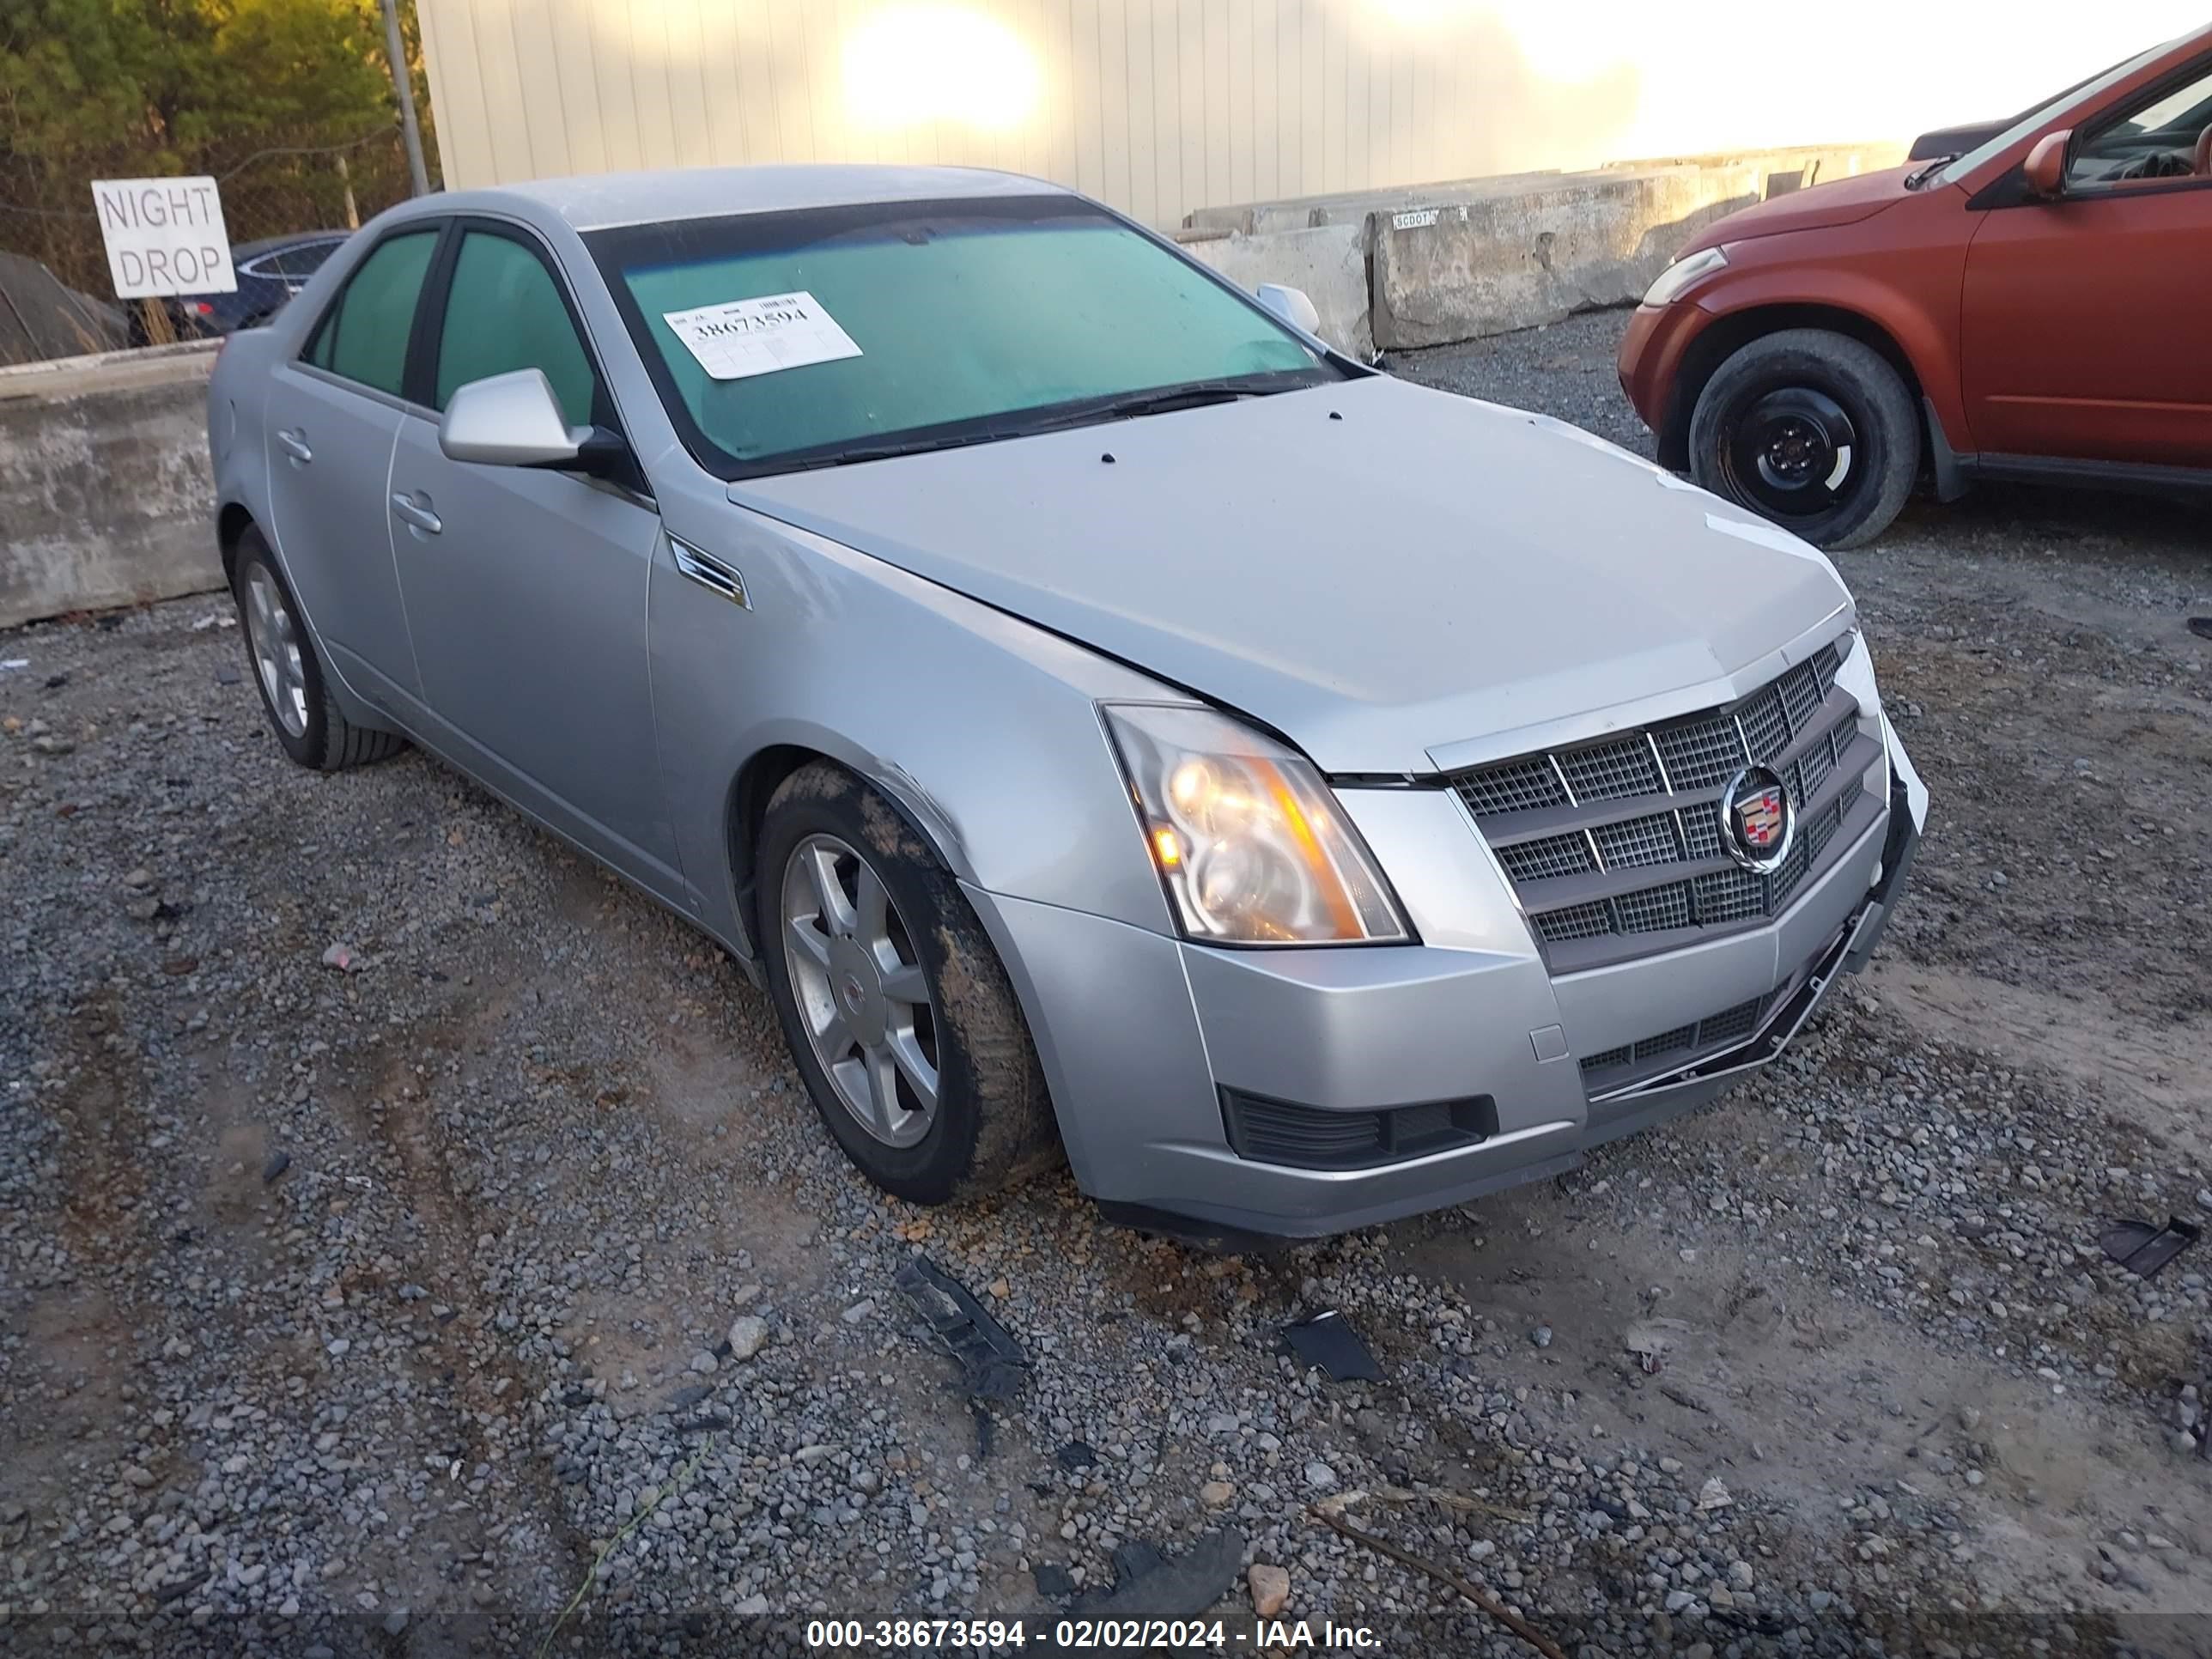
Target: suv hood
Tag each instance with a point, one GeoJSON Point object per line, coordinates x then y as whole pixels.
{"type": "Point", "coordinates": [1373, 569]}
{"type": "Point", "coordinates": [1821, 207]}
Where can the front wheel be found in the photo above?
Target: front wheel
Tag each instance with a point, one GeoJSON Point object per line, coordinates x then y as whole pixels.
{"type": "Point", "coordinates": [895, 1006]}
{"type": "Point", "coordinates": [1812, 430]}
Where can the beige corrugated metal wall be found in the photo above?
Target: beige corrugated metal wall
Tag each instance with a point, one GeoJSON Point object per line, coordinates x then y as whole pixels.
{"type": "Point", "coordinates": [1157, 106]}
{"type": "Point", "coordinates": [1160, 106]}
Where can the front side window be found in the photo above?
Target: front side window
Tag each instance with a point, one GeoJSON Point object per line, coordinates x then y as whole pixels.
{"type": "Point", "coordinates": [2157, 139]}
{"type": "Point", "coordinates": [2074, 98]}
{"type": "Point", "coordinates": [504, 312]}
{"type": "Point", "coordinates": [364, 335]}
{"type": "Point", "coordinates": [908, 325]}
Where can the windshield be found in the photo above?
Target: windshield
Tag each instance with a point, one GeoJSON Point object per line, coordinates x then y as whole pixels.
{"type": "Point", "coordinates": [785, 340]}
{"type": "Point", "coordinates": [2072, 98]}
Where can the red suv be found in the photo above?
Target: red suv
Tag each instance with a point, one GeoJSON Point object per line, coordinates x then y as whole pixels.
{"type": "Point", "coordinates": [2038, 307]}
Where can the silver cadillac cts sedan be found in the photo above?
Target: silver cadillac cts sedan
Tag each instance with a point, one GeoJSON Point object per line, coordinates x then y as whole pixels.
{"type": "Point", "coordinates": [1108, 721]}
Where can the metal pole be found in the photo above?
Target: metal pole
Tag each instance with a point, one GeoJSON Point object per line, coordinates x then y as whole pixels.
{"type": "Point", "coordinates": [404, 83]}
{"type": "Point", "coordinates": [353, 209]}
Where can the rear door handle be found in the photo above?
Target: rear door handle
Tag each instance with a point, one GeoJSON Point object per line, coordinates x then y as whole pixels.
{"type": "Point", "coordinates": [417, 512]}
{"type": "Point", "coordinates": [295, 445]}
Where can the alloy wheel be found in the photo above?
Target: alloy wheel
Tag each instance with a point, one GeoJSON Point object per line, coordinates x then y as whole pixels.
{"type": "Point", "coordinates": [275, 642]}
{"type": "Point", "coordinates": [862, 993]}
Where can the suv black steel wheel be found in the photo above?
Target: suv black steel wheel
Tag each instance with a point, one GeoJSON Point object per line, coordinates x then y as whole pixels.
{"type": "Point", "coordinates": [1811, 429]}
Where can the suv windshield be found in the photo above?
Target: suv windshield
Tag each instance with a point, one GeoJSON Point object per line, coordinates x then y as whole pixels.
{"type": "Point", "coordinates": [786, 340]}
{"type": "Point", "coordinates": [2072, 98]}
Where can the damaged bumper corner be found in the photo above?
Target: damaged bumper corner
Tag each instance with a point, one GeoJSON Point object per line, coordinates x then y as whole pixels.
{"type": "Point", "coordinates": [1908, 817]}
{"type": "Point", "coordinates": [1301, 1093]}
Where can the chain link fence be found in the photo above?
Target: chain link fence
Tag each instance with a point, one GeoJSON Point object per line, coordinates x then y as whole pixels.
{"type": "Point", "coordinates": [56, 298]}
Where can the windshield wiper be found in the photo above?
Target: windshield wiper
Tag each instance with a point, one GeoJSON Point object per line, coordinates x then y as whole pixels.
{"type": "Point", "coordinates": [883, 451]}
{"type": "Point", "coordinates": [1914, 180]}
{"type": "Point", "coordinates": [1017, 423]}
{"type": "Point", "coordinates": [1195, 395]}
{"type": "Point", "coordinates": [1161, 400]}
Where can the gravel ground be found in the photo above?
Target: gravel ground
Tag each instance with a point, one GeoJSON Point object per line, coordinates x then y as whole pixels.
{"type": "Point", "coordinates": [365, 1308]}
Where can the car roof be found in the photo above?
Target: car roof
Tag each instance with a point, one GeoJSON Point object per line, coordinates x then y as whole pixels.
{"type": "Point", "coordinates": [602, 201]}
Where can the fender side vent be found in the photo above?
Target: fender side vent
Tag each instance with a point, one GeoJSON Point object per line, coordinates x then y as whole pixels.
{"type": "Point", "coordinates": [710, 572]}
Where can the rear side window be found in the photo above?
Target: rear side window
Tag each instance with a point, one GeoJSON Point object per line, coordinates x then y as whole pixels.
{"type": "Point", "coordinates": [298, 262]}
{"type": "Point", "coordinates": [504, 312]}
{"type": "Point", "coordinates": [364, 336]}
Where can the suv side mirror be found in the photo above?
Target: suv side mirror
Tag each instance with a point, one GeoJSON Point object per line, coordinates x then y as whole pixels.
{"type": "Point", "coordinates": [2045, 170]}
{"type": "Point", "coordinates": [1291, 305]}
{"type": "Point", "coordinates": [514, 420]}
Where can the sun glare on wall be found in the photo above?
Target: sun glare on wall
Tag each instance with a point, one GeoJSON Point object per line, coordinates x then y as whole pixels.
{"type": "Point", "coordinates": [1559, 42]}
{"type": "Point", "coordinates": [1423, 14]}
{"type": "Point", "coordinates": [910, 63]}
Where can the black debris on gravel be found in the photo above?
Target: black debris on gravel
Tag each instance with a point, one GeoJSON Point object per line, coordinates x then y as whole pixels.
{"type": "Point", "coordinates": [1076, 1455]}
{"type": "Point", "coordinates": [2143, 1248]}
{"type": "Point", "coordinates": [1327, 1340]}
{"type": "Point", "coordinates": [992, 1365]}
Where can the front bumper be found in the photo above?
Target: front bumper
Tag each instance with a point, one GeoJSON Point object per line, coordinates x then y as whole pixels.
{"type": "Point", "coordinates": [1652, 352]}
{"type": "Point", "coordinates": [1230, 1088]}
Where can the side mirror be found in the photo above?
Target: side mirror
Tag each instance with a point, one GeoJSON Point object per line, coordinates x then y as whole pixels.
{"type": "Point", "coordinates": [510, 420]}
{"type": "Point", "coordinates": [1291, 305]}
{"type": "Point", "coordinates": [514, 420]}
{"type": "Point", "coordinates": [2045, 170]}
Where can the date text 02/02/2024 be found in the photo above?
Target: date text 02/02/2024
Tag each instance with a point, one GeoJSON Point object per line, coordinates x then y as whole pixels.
{"type": "Point", "coordinates": [989, 1635]}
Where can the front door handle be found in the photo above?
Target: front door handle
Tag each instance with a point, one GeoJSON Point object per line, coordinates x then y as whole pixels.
{"type": "Point", "coordinates": [295, 445]}
{"type": "Point", "coordinates": [417, 511]}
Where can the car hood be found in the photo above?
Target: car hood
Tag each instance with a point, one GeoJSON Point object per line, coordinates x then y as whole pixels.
{"type": "Point", "coordinates": [1373, 569]}
{"type": "Point", "coordinates": [1839, 201]}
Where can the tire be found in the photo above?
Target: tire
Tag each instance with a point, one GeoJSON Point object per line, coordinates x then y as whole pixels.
{"type": "Point", "coordinates": [1779, 416]}
{"type": "Point", "coordinates": [991, 1122]}
{"type": "Point", "coordinates": [280, 655]}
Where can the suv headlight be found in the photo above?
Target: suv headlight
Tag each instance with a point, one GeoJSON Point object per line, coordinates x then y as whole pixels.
{"type": "Point", "coordinates": [1249, 840]}
{"type": "Point", "coordinates": [1669, 283]}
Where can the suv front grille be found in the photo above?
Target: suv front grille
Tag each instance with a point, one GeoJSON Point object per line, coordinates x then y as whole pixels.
{"type": "Point", "coordinates": [1614, 847]}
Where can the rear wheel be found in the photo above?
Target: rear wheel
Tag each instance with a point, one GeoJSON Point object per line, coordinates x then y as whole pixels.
{"type": "Point", "coordinates": [895, 1006]}
{"type": "Point", "coordinates": [1812, 430]}
{"type": "Point", "coordinates": [313, 731]}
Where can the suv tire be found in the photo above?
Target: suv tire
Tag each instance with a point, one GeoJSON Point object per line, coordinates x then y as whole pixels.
{"type": "Point", "coordinates": [1812, 430]}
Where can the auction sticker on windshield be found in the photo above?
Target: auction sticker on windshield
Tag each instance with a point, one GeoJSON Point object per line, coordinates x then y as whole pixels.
{"type": "Point", "coordinates": [745, 337]}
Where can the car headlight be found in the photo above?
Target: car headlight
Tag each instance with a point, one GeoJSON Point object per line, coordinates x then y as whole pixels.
{"type": "Point", "coordinates": [1249, 840]}
{"type": "Point", "coordinates": [1670, 282]}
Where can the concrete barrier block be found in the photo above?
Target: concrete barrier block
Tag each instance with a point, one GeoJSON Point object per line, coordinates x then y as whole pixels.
{"type": "Point", "coordinates": [1471, 256]}
{"type": "Point", "coordinates": [1473, 268]}
{"type": "Point", "coordinates": [1533, 254]}
{"type": "Point", "coordinates": [106, 497]}
{"type": "Point", "coordinates": [1786, 168]}
{"type": "Point", "coordinates": [1329, 262]}
{"type": "Point", "coordinates": [1348, 206]}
